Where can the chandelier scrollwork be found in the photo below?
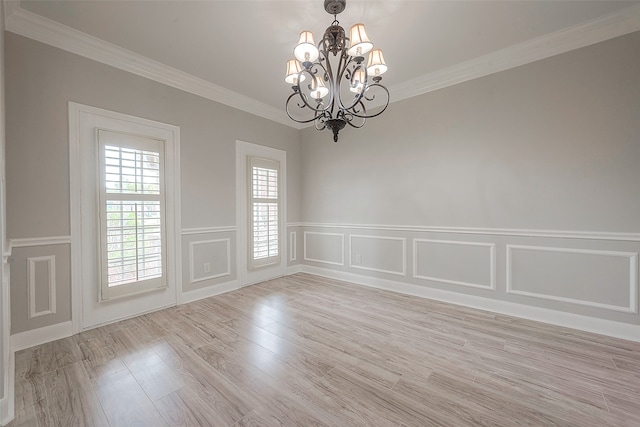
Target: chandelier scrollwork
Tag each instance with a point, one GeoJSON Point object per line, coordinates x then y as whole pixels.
{"type": "Point", "coordinates": [332, 86]}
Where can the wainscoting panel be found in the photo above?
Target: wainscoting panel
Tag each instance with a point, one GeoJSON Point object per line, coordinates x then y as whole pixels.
{"type": "Point", "coordinates": [324, 248]}
{"type": "Point", "coordinates": [595, 278]}
{"type": "Point", "coordinates": [209, 259]}
{"type": "Point", "coordinates": [41, 279]}
{"type": "Point", "coordinates": [455, 262]}
{"type": "Point", "coordinates": [293, 247]}
{"type": "Point", "coordinates": [381, 254]}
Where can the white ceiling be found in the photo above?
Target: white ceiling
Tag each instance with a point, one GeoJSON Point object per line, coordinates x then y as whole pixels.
{"type": "Point", "coordinates": [243, 45]}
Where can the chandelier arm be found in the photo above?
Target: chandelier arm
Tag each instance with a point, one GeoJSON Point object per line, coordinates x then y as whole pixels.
{"type": "Point", "coordinates": [350, 123]}
{"type": "Point", "coordinates": [349, 76]}
{"type": "Point", "coordinates": [297, 90]}
{"type": "Point", "coordinates": [366, 116]}
{"type": "Point", "coordinates": [301, 107]}
{"type": "Point", "coordinates": [324, 55]}
{"type": "Point", "coordinates": [343, 67]}
{"type": "Point", "coordinates": [320, 122]}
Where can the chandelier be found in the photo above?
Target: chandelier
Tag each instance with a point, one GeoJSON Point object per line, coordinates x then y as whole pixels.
{"type": "Point", "coordinates": [338, 89]}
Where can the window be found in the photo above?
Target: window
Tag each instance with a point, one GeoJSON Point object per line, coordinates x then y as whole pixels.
{"type": "Point", "coordinates": [264, 212]}
{"type": "Point", "coordinates": [132, 235]}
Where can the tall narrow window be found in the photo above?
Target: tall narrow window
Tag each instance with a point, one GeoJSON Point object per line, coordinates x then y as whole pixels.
{"type": "Point", "coordinates": [264, 212]}
{"type": "Point", "coordinates": [132, 234]}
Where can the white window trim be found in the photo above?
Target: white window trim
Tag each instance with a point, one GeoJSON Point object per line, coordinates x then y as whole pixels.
{"type": "Point", "coordinates": [145, 285]}
{"type": "Point", "coordinates": [253, 161]}
{"type": "Point", "coordinates": [244, 149]}
{"type": "Point", "coordinates": [173, 204]}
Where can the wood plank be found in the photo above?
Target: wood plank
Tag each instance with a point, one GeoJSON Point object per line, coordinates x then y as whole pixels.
{"type": "Point", "coordinates": [306, 350]}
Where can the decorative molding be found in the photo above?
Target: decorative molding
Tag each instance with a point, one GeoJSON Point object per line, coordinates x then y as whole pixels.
{"type": "Point", "coordinates": [319, 260]}
{"type": "Point", "coordinates": [43, 335]}
{"type": "Point", "coordinates": [192, 246]}
{"type": "Point", "coordinates": [294, 269]}
{"type": "Point", "coordinates": [557, 234]}
{"type": "Point", "coordinates": [31, 280]}
{"type": "Point", "coordinates": [633, 277]}
{"type": "Point", "coordinates": [83, 116]}
{"type": "Point", "coordinates": [50, 32]}
{"type": "Point", "coordinates": [404, 254]}
{"type": "Point", "coordinates": [584, 323]}
{"type": "Point", "coordinates": [209, 230]}
{"type": "Point", "coordinates": [44, 30]}
{"type": "Point", "coordinates": [492, 263]}
{"type": "Point", "coordinates": [618, 23]}
{"type": "Point", "coordinates": [293, 247]}
{"type": "Point", "coordinates": [40, 241]}
{"type": "Point", "coordinates": [7, 403]}
{"type": "Point", "coordinates": [209, 291]}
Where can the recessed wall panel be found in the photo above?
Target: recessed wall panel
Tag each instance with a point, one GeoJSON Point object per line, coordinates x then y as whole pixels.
{"type": "Point", "coordinates": [209, 259]}
{"type": "Point", "coordinates": [325, 248]}
{"type": "Point", "coordinates": [606, 279]}
{"type": "Point", "coordinates": [375, 253]}
{"type": "Point", "coordinates": [455, 262]}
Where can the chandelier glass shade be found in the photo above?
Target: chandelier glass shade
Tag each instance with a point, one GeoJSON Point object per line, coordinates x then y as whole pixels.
{"type": "Point", "coordinates": [338, 84]}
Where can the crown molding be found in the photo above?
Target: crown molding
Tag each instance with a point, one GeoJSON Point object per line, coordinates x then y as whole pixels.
{"type": "Point", "coordinates": [31, 25]}
{"type": "Point", "coordinates": [619, 23]}
{"type": "Point", "coordinates": [44, 30]}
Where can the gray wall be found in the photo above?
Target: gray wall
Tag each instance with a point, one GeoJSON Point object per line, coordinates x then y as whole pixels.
{"type": "Point", "coordinates": [41, 80]}
{"type": "Point", "coordinates": [552, 145]}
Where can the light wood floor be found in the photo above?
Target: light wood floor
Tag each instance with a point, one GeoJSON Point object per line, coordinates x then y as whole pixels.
{"type": "Point", "coordinates": [308, 351]}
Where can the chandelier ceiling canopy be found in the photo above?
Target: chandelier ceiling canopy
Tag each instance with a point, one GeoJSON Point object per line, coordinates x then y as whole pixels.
{"type": "Point", "coordinates": [332, 85]}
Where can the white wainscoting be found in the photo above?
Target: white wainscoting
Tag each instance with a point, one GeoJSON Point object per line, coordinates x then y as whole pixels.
{"type": "Point", "coordinates": [587, 275]}
{"type": "Point", "coordinates": [215, 253]}
{"type": "Point", "coordinates": [378, 253]}
{"type": "Point", "coordinates": [209, 291]}
{"type": "Point", "coordinates": [554, 317]}
{"type": "Point", "coordinates": [324, 248]}
{"type": "Point", "coordinates": [33, 278]}
{"type": "Point", "coordinates": [455, 262]}
{"type": "Point", "coordinates": [46, 334]}
{"type": "Point", "coordinates": [572, 275]}
{"type": "Point", "coordinates": [293, 247]}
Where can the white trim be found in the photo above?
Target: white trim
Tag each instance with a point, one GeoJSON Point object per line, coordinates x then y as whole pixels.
{"type": "Point", "coordinates": [46, 334]}
{"type": "Point", "coordinates": [379, 270]}
{"type": "Point", "coordinates": [618, 23]}
{"type": "Point", "coordinates": [28, 24]}
{"type": "Point", "coordinates": [173, 213]}
{"type": "Point", "coordinates": [589, 324]}
{"type": "Point", "coordinates": [209, 291]}
{"type": "Point", "coordinates": [31, 288]}
{"type": "Point", "coordinates": [245, 276]}
{"type": "Point", "coordinates": [293, 247]}
{"type": "Point", "coordinates": [44, 30]}
{"type": "Point", "coordinates": [294, 269]}
{"type": "Point", "coordinates": [40, 241]}
{"type": "Point", "coordinates": [492, 264]}
{"type": "Point", "coordinates": [523, 232]}
{"type": "Point", "coordinates": [192, 245]}
{"type": "Point", "coordinates": [207, 230]}
{"type": "Point", "coordinates": [633, 277]}
{"type": "Point", "coordinates": [7, 404]}
{"type": "Point", "coordinates": [319, 260]}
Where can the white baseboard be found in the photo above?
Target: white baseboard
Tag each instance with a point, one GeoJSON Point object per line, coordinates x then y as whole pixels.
{"type": "Point", "coordinates": [209, 291]}
{"type": "Point", "coordinates": [293, 270]}
{"type": "Point", "coordinates": [7, 403]}
{"type": "Point", "coordinates": [575, 321]}
{"type": "Point", "coordinates": [27, 339]}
